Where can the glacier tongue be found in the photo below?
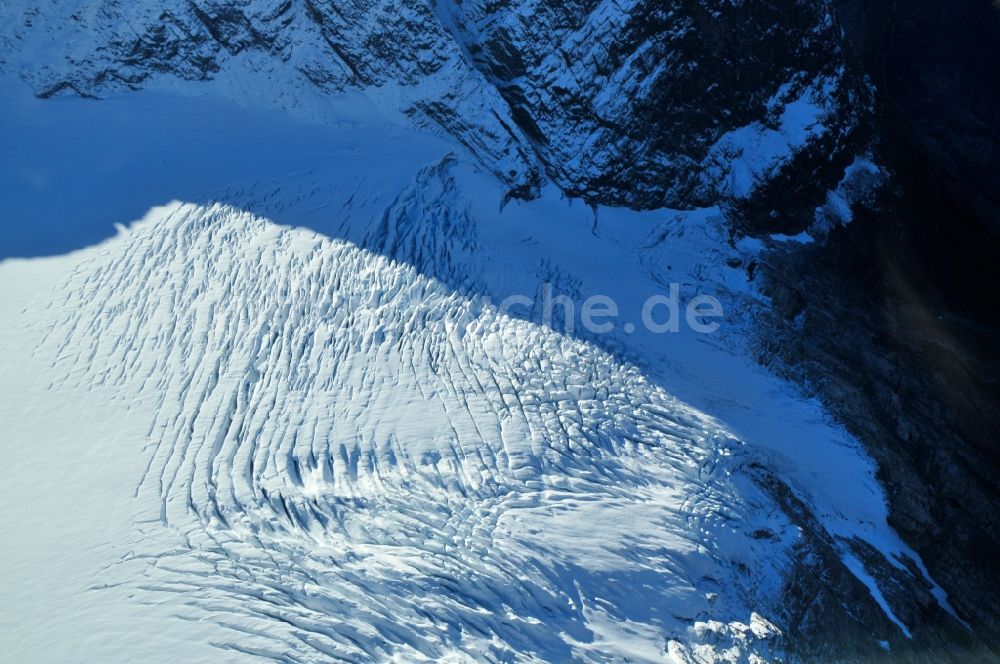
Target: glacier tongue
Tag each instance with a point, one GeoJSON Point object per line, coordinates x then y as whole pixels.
{"type": "Point", "coordinates": [317, 445]}
{"type": "Point", "coordinates": [347, 458]}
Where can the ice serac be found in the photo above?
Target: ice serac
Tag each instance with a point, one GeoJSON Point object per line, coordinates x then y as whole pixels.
{"type": "Point", "coordinates": [349, 460]}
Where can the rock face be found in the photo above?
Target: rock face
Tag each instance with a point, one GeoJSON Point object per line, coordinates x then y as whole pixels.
{"type": "Point", "coordinates": [647, 104]}
{"type": "Point", "coordinates": [893, 322]}
{"type": "Point", "coordinates": [300, 50]}
{"type": "Point", "coordinates": [788, 114]}
{"type": "Point", "coordinates": [620, 102]}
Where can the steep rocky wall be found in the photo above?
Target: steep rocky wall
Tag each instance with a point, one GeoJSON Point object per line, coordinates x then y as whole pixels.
{"type": "Point", "coordinates": [893, 322]}
{"type": "Point", "coordinates": [623, 102]}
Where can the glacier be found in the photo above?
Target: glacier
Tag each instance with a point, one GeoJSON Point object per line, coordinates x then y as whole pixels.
{"type": "Point", "coordinates": [276, 412]}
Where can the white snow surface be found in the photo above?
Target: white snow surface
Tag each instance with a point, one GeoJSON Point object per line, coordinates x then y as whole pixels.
{"type": "Point", "coordinates": [281, 417]}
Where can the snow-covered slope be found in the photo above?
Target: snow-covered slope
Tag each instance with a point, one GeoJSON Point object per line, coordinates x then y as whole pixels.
{"type": "Point", "coordinates": [286, 418]}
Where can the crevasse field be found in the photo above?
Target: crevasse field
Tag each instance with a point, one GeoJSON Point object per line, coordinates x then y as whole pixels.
{"type": "Point", "coordinates": [259, 401]}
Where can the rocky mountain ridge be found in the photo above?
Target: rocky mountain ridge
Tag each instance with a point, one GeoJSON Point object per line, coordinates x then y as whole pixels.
{"type": "Point", "coordinates": [624, 103]}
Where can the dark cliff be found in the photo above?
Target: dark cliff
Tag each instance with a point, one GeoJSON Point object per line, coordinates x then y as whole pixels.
{"type": "Point", "coordinates": [894, 322]}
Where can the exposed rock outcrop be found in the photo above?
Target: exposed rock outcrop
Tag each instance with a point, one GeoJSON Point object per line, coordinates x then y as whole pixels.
{"type": "Point", "coordinates": [893, 322]}
{"type": "Point", "coordinates": [619, 102]}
